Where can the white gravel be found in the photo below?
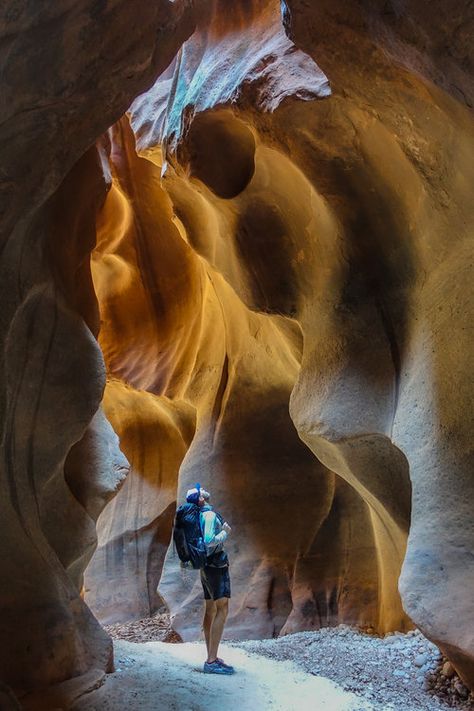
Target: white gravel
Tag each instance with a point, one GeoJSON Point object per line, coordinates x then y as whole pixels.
{"type": "Point", "coordinates": [402, 672]}
{"type": "Point", "coordinates": [332, 669]}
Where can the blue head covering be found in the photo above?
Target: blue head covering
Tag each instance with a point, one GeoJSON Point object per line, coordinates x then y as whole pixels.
{"type": "Point", "coordinates": [192, 495]}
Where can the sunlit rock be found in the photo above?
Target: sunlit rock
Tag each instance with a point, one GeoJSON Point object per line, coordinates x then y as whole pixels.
{"type": "Point", "coordinates": [280, 301]}
{"type": "Point", "coordinates": [357, 223]}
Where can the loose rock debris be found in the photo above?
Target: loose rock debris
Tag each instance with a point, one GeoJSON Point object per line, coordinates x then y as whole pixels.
{"type": "Point", "coordinates": [398, 672]}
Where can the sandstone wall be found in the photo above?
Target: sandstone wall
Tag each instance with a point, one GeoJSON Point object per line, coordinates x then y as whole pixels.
{"type": "Point", "coordinates": [175, 332]}
{"type": "Point", "coordinates": [68, 72]}
{"type": "Point", "coordinates": [307, 252]}
{"type": "Point", "coordinates": [348, 212]}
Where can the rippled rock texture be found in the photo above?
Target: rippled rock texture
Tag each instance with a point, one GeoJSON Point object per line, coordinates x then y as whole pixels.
{"type": "Point", "coordinates": [323, 224]}
{"type": "Point", "coordinates": [281, 238]}
{"type": "Point", "coordinates": [68, 71]}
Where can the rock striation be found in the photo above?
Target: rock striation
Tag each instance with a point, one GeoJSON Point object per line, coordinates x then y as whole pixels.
{"type": "Point", "coordinates": [68, 72]}
{"type": "Point", "coordinates": [344, 211]}
{"type": "Point", "coordinates": [178, 336]}
{"type": "Point", "coordinates": [260, 278]}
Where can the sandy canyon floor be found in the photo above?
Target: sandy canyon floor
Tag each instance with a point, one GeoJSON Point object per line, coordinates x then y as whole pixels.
{"type": "Point", "coordinates": [339, 669]}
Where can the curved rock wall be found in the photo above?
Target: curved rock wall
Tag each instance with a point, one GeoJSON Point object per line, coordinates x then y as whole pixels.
{"type": "Point", "coordinates": [68, 72]}
{"type": "Point", "coordinates": [177, 335]}
{"type": "Point", "coordinates": [291, 237]}
{"type": "Point", "coordinates": [412, 147]}
{"type": "Point", "coordinates": [135, 529]}
{"type": "Point", "coordinates": [349, 212]}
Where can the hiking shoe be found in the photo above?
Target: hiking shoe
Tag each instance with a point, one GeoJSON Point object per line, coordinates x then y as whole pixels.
{"type": "Point", "coordinates": [217, 667]}
{"type": "Point", "coordinates": [226, 666]}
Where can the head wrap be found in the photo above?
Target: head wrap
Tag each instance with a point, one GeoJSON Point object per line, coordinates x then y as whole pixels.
{"type": "Point", "coordinates": [192, 495]}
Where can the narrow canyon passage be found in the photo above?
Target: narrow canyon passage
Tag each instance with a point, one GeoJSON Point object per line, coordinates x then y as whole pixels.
{"type": "Point", "coordinates": [241, 255]}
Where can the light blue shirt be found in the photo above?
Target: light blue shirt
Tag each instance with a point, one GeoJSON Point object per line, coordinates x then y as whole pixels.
{"type": "Point", "coordinates": [213, 533]}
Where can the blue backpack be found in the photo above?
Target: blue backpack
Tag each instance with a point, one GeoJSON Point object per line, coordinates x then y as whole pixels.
{"type": "Point", "coordinates": [187, 536]}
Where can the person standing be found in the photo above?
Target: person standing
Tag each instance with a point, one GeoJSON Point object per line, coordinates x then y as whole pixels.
{"type": "Point", "coordinates": [215, 579]}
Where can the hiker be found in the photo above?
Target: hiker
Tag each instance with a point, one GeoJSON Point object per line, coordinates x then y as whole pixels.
{"type": "Point", "coordinates": [205, 550]}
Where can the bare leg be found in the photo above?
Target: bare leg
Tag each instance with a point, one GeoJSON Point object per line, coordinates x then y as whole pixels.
{"type": "Point", "coordinates": [209, 615]}
{"type": "Point", "coordinates": [217, 627]}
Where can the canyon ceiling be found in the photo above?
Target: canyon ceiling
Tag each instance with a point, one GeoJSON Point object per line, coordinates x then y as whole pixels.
{"type": "Point", "coordinates": [236, 248]}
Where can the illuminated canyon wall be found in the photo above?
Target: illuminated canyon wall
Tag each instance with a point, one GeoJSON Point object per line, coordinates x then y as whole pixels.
{"type": "Point", "coordinates": [328, 217]}
{"type": "Point", "coordinates": [280, 284]}
{"type": "Point", "coordinates": [175, 331]}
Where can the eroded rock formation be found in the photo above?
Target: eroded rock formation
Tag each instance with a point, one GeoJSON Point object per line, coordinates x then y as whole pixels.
{"type": "Point", "coordinates": [134, 532]}
{"type": "Point", "coordinates": [283, 269]}
{"type": "Point", "coordinates": [348, 214]}
{"type": "Point", "coordinates": [68, 72]}
{"type": "Point", "coordinates": [235, 369]}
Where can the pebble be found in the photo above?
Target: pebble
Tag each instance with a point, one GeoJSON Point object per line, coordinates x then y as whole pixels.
{"type": "Point", "coordinates": [398, 672]}
{"type": "Point", "coordinates": [421, 659]}
{"type": "Point", "coordinates": [461, 689]}
{"type": "Point", "coordinates": [448, 670]}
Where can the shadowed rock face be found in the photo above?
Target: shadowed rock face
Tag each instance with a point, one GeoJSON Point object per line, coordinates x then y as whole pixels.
{"type": "Point", "coordinates": [409, 182]}
{"type": "Point", "coordinates": [282, 268]}
{"type": "Point", "coordinates": [68, 71]}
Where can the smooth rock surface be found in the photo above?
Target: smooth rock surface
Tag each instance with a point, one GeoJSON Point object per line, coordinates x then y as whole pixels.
{"type": "Point", "coordinates": [283, 268]}
{"type": "Point", "coordinates": [69, 70]}
{"type": "Point", "coordinates": [356, 221]}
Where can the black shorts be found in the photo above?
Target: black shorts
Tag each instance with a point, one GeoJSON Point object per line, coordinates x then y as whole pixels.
{"type": "Point", "coordinates": [215, 582]}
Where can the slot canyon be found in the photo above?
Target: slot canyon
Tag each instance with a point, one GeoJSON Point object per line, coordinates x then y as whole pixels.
{"type": "Point", "coordinates": [236, 248]}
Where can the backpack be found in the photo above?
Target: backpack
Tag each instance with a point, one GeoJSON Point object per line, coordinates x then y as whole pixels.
{"type": "Point", "coordinates": [187, 536]}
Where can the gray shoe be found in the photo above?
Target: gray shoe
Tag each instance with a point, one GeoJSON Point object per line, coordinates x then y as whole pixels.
{"type": "Point", "coordinates": [218, 667]}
